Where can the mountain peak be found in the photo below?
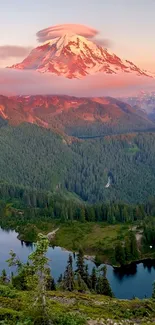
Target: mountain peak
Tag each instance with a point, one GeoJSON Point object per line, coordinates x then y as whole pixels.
{"type": "Point", "coordinates": [74, 42]}
{"type": "Point", "coordinates": [65, 39]}
{"type": "Point", "coordinates": [74, 56]}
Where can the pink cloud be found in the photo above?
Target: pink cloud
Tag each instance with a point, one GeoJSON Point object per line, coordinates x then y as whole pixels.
{"type": "Point", "coordinates": [16, 82]}
{"type": "Point", "coordinates": [8, 51]}
{"type": "Point", "coordinates": [59, 30]}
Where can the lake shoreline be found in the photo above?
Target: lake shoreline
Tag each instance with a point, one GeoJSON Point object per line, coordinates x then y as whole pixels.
{"type": "Point", "coordinates": [125, 266]}
{"type": "Point", "coordinates": [91, 258]}
{"type": "Point", "coordinates": [142, 260]}
{"type": "Point", "coordinates": [126, 282]}
{"type": "Point", "coordinates": [87, 253]}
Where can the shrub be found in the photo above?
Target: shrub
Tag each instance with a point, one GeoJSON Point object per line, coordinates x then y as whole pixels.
{"type": "Point", "coordinates": [6, 291]}
{"type": "Point", "coordinates": [69, 319]}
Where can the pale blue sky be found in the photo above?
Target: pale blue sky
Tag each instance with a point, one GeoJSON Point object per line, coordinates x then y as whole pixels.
{"type": "Point", "coordinates": [129, 24]}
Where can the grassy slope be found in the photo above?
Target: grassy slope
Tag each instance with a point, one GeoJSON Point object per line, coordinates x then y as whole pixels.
{"type": "Point", "coordinates": [99, 307]}
{"type": "Point", "coordinates": [89, 306]}
{"type": "Point", "coordinates": [96, 239]}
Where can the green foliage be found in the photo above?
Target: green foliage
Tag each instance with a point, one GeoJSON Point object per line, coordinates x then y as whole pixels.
{"type": "Point", "coordinates": [30, 233]}
{"type": "Point", "coordinates": [149, 233]}
{"type": "Point", "coordinates": [93, 279]}
{"type": "Point", "coordinates": [6, 291]}
{"type": "Point", "coordinates": [76, 308]}
{"type": "Point", "coordinates": [127, 248]}
{"type": "Point", "coordinates": [82, 281]}
{"type": "Point", "coordinates": [80, 263]}
{"type": "Point", "coordinates": [25, 322]}
{"type": "Point", "coordinates": [50, 283]}
{"type": "Point", "coordinates": [3, 277]}
{"type": "Point", "coordinates": [69, 319]}
{"type": "Point", "coordinates": [35, 276]}
{"type": "Point", "coordinates": [103, 286]}
{"type": "Point", "coordinates": [129, 252]}
{"type": "Point", "coordinates": [9, 315]}
{"type": "Point", "coordinates": [68, 279]}
{"type": "Point", "coordinates": [133, 246]}
{"type": "Point", "coordinates": [19, 281]}
{"type": "Point", "coordinates": [80, 284]}
{"type": "Point", "coordinates": [119, 254]}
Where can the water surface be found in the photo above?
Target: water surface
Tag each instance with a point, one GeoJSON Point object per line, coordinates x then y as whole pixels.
{"type": "Point", "coordinates": [135, 281]}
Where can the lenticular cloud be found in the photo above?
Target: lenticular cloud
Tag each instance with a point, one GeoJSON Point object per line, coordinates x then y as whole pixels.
{"type": "Point", "coordinates": [59, 30]}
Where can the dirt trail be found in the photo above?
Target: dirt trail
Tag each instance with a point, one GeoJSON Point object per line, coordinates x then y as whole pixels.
{"type": "Point", "coordinates": [138, 234]}
{"type": "Point", "coordinates": [51, 234]}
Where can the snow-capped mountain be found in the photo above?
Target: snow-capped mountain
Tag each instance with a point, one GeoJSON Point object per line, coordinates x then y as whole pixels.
{"type": "Point", "coordinates": [144, 102]}
{"type": "Point", "coordinates": [73, 56]}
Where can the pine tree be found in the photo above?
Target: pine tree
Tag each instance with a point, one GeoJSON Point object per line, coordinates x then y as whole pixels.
{"type": "Point", "coordinates": [82, 214]}
{"type": "Point", "coordinates": [133, 243]}
{"type": "Point", "coordinates": [53, 285]}
{"type": "Point", "coordinates": [86, 278]}
{"type": "Point", "coordinates": [127, 249]}
{"type": "Point", "coordinates": [93, 279]}
{"type": "Point", "coordinates": [60, 278]}
{"type": "Point", "coordinates": [81, 285]}
{"type": "Point", "coordinates": [3, 277]}
{"type": "Point", "coordinates": [50, 283]}
{"type": "Point", "coordinates": [117, 213]}
{"type": "Point", "coordinates": [36, 273]}
{"type": "Point", "coordinates": [103, 286]}
{"type": "Point", "coordinates": [68, 280]}
{"type": "Point", "coordinates": [119, 254]}
{"type": "Point", "coordinates": [125, 214]}
{"type": "Point", "coordinates": [80, 264]}
{"type": "Point", "coordinates": [110, 216]}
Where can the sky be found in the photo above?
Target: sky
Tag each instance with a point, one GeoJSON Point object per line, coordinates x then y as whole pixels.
{"type": "Point", "coordinates": [125, 27]}
{"type": "Point", "coordinates": [129, 25]}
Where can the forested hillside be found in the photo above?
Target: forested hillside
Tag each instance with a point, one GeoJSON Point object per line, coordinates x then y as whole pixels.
{"type": "Point", "coordinates": [35, 157]}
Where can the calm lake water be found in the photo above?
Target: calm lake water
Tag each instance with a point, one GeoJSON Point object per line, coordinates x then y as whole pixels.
{"type": "Point", "coordinates": [136, 281]}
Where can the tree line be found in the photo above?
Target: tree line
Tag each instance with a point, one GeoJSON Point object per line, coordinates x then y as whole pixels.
{"type": "Point", "coordinates": [60, 205]}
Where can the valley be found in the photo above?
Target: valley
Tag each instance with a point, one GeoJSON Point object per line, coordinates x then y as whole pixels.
{"type": "Point", "coordinates": [55, 183]}
{"type": "Point", "coordinates": [78, 174]}
{"type": "Point", "coordinates": [41, 159]}
{"type": "Point", "coordinates": [77, 163]}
